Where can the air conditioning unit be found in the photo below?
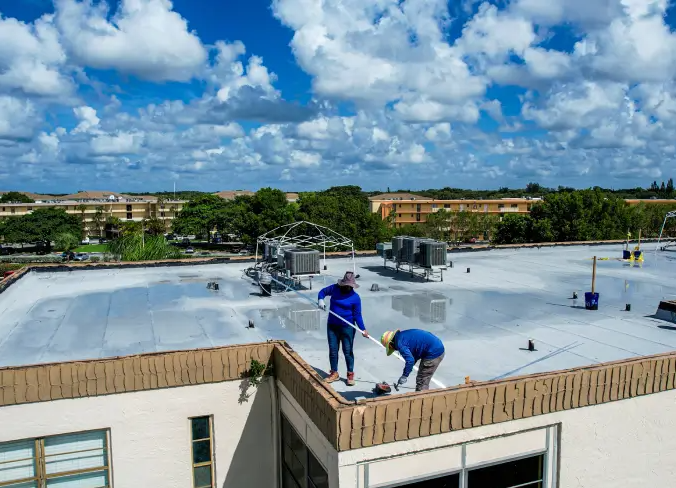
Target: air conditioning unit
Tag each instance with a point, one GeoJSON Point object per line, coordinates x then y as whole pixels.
{"type": "Point", "coordinates": [397, 246]}
{"type": "Point", "coordinates": [382, 248]}
{"type": "Point", "coordinates": [409, 249]}
{"type": "Point", "coordinates": [432, 253]}
{"type": "Point", "coordinates": [301, 261]}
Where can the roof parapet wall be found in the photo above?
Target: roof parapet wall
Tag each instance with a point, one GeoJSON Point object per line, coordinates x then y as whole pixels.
{"type": "Point", "coordinates": [347, 425]}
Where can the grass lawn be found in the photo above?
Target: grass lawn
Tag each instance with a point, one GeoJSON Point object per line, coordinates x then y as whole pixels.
{"type": "Point", "coordinates": [92, 248]}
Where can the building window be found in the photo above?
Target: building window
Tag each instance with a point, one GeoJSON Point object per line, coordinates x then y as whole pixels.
{"type": "Point", "coordinates": [514, 205]}
{"type": "Point", "coordinates": [129, 216]}
{"type": "Point", "coordinates": [161, 214]}
{"type": "Point", "coordinates": [3, 209]}
{"type": "Point", "coordinates": [501, 205]}
{"type": "Point", "coordinates": [522, 473]}
{"type": "Point", "coordinates": [300, 468]}
{"type": "Point", "coordinates": [13, 210]}
{"type": "Point", "coordinates": [417, 217]}
{"type": "Point", "coordinates": [447, 205]}
{"type": "Point", "coordinates": [434, 205]}
{"type": "Point", "coordinates": [451, 481]}
{"type": "Point", "coordinates": [399, 215]}
{"type": "Point", "coordinates": [128, 208]}
{"type": "Point", "coordinates": [202, 452]}
{"type": "Point", "coordinates": [63, 460]}
{"type": "Point", "coordinates": [474, 206]}
{"type": "Point", "coordinates": [30, 209]}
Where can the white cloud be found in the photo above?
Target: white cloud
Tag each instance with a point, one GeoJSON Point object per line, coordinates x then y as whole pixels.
{"type": "Point", "coordinates": [18, 118]}
{"type": "Point", "coordinates": [116, 144]}
{"type": "Point", "coordinates": [145, 38]}
{"type": "Point", "coordinates": [31, 59]}
{"type": "Point", "coordinates": [88, 119]}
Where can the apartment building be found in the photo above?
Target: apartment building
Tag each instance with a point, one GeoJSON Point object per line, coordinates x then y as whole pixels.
{"type": "Point", "coordinates": [95, 208]}
{"type": "Point", "coordinates": [407, 208]}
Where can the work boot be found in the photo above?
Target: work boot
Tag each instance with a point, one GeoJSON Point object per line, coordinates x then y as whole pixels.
{"type": "Point", "coordinates": [333, 376]}
{"type": "Point", "coordinates": [350, 379]}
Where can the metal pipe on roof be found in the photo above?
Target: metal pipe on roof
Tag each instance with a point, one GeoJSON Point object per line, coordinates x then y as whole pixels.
{"type": "Point", "coordinates": [436, 382]}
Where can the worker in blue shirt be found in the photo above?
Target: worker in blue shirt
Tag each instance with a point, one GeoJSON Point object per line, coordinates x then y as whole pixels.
{"type": "Point", "coordinates": [415, 345]}
{"type": "Point", "coordinates": [346, 303]}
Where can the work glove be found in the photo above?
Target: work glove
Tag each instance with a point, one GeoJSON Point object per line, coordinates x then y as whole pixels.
{"type": "Point", "coordinates": [365, 334]}
{"type": "Point", "coordinates": [321, 304]}
{"type": "Point", "coordinates": [402, 380]}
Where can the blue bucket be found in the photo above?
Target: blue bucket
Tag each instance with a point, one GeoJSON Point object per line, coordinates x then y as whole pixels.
{"type": "Point", "coordinates": [626, 254]}
{"type": "Point", "coordinates": [637, 254]}
{"type": "Point", "coordinates": [591, 301]}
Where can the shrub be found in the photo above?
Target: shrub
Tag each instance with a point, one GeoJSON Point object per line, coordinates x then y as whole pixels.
{"type": "Point", "coordinates": [50, 258]}
{"type": "Point", "coordinates": [94, 259]}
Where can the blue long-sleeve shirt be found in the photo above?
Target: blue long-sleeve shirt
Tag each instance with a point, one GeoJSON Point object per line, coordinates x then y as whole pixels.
{"type": "Point", "coordinates": [347, 306]}
{"type": "Point", "coordinates": [417, 344]}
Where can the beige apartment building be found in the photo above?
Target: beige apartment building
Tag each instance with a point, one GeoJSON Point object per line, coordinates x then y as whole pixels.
{"type": "Point", "coordinates": [96, 207]}
{"type": "Point", "coordinates": [408, 208]}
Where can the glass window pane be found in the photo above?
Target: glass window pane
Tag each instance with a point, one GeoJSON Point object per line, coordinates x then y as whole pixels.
{"type": "Point", "coordinates": [316, 472]}
{"type": "Point", "coordinates": [448, 481]}
{"type": "Point", "coordinates": [17, 460]}
{"type": "Point", "coordinates": [294, 466]}
{"type": "Point", "coordinates": [85, 480]}
{"type": "Point", "coordinates": [287, 479]}
{"type": "Point", "coordinates": [203, 476]}
{"type": "Point", "coordinates": [200, 428]}
{"type": "Point", "coordinates": [30, 484]}
{"type": "Point", "coordinates": [201, 452]}
{"type": "Point", "coordinates": [74, 452]}
{"type": "Point", "coordinates": [506, 475]}
{"type": "Point", "coordinates": [293, 440]}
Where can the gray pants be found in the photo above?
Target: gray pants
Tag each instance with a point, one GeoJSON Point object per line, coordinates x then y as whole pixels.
{"type": "Point", "coordinates": [426, 370]}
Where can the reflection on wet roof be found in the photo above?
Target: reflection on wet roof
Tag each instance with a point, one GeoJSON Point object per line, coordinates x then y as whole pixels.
{"type": "Point", "coordinates": [485, 317]}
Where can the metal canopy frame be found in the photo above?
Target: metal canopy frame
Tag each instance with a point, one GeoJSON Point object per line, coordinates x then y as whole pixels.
{"type": "Point", "coordinates": [306, 234]}
{"type": "Point", "coordinates": [667, 216]}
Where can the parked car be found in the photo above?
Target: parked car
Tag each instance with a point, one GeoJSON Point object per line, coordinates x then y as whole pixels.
{"type": "Point", "coordinates": [68, 255]}
{"type": "Point", "coordinates": [103, 240]}
{"type": "Point", "coordinates": [85, 240]}
{"type": "Point", "coordinates": [244, 252]}
{"type": "Point", "coordinates": [189, 250]}
{"type": "Point", "coordinates": [6, 250]}
{"type": "Point", "coordinates": [81, 256]}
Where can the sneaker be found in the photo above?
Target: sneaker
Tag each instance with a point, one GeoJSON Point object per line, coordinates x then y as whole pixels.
{"type": "Point", "coordinates": [333, 376]}
{"type": "Point", "coordinates": [350, 379]}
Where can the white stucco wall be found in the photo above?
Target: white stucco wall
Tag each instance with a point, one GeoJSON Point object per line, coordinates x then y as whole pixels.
{"type": "Point", "coordinates": [150, 432]}
{"type": "Point", "coordinates": [628, 444]}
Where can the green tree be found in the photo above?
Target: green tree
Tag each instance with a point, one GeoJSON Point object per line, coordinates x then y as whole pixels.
{"type": "Point", "coordinates": [513, 229]}
{"type": "Point", "coordinates": [98, 220]}
{"type": "Point", "coordinates": [66, 242]}
{"type": "Point", "coordinates": [15, 197]}
{"type": "Point", "coordinates": [154, 226]}
{"type": "Point", "coordinates": [670, 188]}
{"type": "Point", "coordinates": [41, 225]}
{"type": "Point", "coordinates": [82, 208]}
{"type": "Point", "coordinates": [200, 215]}
{"type": "Point", "coordinates": [438, 225]}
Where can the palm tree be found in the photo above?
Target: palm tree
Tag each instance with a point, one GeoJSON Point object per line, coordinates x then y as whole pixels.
{"type": "Point", "coordinates": [97, 220]}
{"type": "Point", "coordinates": [82, 208]}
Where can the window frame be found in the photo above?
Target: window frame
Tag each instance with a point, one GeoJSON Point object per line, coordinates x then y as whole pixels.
{"type": "Point", "coordinates": [212, 461]}
{"type": "Point", "coordinates": [39, 460]}
{"type": "Point", "coordinates": [309, 482]}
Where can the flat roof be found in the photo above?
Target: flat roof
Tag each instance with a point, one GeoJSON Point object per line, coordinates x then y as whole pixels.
{"type": "Point", "coordinates": [485, 317]}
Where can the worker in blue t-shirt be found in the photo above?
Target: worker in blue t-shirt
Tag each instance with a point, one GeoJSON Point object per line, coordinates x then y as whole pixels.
{"type": "Point", "coordinates": [415, 345]}
{"type": "Point", "coordinates": [346, 303]}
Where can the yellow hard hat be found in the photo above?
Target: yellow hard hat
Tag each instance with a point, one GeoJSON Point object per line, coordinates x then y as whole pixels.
{"type": "Point", "coordinates": [386, 340]}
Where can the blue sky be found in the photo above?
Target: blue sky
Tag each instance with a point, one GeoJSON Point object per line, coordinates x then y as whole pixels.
{"type": "Point", "coordinates": [134, 95]}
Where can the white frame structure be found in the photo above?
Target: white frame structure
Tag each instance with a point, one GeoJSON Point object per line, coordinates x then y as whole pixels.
{"type": "Point", "coordinates": [316, 236]}
{"type": "Point", "coordinates": [668, 215]}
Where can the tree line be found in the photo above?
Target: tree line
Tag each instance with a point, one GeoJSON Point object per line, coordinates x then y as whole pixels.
{"type": "Point", "coordinates": [583, 215]}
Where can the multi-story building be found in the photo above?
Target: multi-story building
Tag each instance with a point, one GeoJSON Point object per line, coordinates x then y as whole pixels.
{"type": "Point", "coordinates": [405, 208]}
{"type": "Point", "coordinates": [96, 208]}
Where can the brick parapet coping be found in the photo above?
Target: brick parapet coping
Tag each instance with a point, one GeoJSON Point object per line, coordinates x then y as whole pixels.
{"type": "Point", "coordinates": [346, 425]}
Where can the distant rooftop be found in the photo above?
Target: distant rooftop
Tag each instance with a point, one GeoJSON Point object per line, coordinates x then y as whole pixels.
{"type": "Point", "coordinates": [398, 196]}
{"type": "Point", "coordinates": [484, 317]}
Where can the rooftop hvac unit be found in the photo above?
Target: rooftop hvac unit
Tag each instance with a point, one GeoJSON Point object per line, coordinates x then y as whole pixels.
{"type": "Point", "coordinates": [397, 245]}
{"type": "Point", "coordinates": [410, 247]}
{"type": "Point", "coordinates": [432, 253]}
{"type": "Point", "coordinates": [301, 261]}
{"type": "Point", "coordinates": [382, 248]}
